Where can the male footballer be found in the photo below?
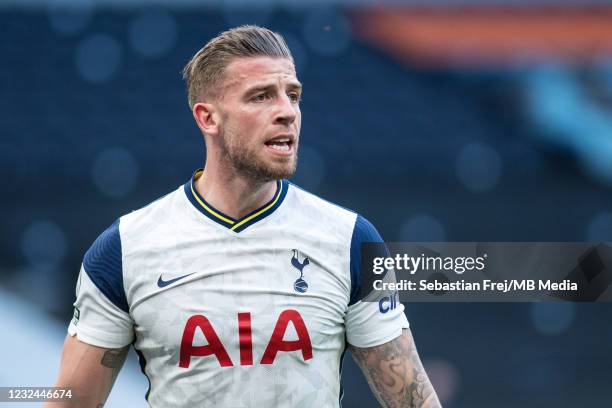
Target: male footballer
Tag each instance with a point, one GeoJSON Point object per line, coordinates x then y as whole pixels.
{"type": "Point", "coordinates": [238, 289]}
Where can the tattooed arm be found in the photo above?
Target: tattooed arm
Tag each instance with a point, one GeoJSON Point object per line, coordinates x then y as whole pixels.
{"type": "Point", "coordinates": [89, 371]}
{"type": "Point", "coordinates": [396, 375]}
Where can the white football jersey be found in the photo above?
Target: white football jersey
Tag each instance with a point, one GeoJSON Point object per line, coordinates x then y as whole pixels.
{"type": "Point", "coordinates": [236, 313]}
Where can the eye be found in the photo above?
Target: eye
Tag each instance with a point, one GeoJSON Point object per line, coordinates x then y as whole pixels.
{"type": "Point", "coordinates": [294, 97]}
{"type": "Point", "coordinates": [260, 97]}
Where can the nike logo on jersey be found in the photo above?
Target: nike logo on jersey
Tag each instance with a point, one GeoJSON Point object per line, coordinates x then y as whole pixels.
{"type": "Point", "coordinates": [163, 283]}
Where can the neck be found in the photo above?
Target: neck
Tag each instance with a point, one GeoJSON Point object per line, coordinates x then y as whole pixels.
{"type": "Point", "coordinates": [233, 194]}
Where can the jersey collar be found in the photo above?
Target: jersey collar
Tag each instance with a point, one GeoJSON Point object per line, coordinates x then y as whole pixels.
{"type": "Point", "coordinates": [233, 224]}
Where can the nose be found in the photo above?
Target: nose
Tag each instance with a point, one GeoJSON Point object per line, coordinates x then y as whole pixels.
{"type": "Point", "coordinates": [286, 113]}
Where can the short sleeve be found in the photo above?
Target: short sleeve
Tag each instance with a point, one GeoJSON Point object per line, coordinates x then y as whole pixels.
{"type": "Point", "coordinates": [373, 323]}
{"type": "Point", "coordinates": [101, 314]}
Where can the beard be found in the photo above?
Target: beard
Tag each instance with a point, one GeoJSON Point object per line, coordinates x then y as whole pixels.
{"type": "Point", "coordinates": [244, 161]}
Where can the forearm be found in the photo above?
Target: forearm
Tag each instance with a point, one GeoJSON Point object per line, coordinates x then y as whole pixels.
{"type": "Point", "coordinates": [89, 372]}
{"type": "Point", "coordinates": [396, 375]}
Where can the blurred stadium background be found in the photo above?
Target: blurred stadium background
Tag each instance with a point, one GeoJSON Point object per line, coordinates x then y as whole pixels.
{"type": "Point", "coordinates": [438, 120]}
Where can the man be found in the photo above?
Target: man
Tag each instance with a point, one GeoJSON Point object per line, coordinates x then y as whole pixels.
{"type": "Point", "coordinates": [238, 289]}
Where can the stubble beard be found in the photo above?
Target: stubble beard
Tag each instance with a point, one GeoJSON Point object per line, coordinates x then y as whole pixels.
{"type": "Point", "coordinates": [246, 163]}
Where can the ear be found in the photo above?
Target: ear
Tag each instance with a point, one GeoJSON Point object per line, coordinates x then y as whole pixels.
{"type": "Point", "coordinates": [206, 117]}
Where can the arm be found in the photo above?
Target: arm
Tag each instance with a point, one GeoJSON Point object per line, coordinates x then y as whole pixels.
{"type": "Point", "coordinates": [396, 375]}
{"type": "Point", "coordinates": [89, 371]}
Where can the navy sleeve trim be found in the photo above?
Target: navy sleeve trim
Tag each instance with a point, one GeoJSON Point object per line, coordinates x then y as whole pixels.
{"type": "Point", "coordinates": [103, 264]}
{"type": "Point", "coordinates": [363, 231]}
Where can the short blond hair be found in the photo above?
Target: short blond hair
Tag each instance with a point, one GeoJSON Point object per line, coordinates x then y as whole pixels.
{"type": "Point", "coordinates": [208, 65]}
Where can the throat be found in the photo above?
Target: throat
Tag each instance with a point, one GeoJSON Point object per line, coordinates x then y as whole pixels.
{"type": "Point", "coordinates": [235, 198]}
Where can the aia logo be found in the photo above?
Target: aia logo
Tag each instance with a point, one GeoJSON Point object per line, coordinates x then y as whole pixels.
{"type": "Point", "coordinates": [300, 284]}
{"type": "Point", "coordinates": [245, 340]}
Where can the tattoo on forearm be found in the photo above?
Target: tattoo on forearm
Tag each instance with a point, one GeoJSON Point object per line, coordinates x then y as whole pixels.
{"type": "Point", "coordinates": [396, 375]}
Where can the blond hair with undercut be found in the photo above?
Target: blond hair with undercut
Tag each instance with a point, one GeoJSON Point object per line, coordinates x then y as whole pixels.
{"type": "Point", "coordinates": [203, 72]}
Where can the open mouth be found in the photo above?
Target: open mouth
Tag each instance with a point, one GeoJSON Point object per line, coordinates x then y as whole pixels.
{"type": "Point", "coordinates": [281, 144]}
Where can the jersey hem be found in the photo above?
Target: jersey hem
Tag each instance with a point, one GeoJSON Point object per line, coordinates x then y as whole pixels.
{"type": "Point", "coordinates": [97, 338]}
{"type": "Point", "coordinates": [364, 341]}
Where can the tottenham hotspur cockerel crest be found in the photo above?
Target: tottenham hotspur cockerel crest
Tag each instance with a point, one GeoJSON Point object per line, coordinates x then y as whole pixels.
{"type": "Point", "coordinates": [300, 284]}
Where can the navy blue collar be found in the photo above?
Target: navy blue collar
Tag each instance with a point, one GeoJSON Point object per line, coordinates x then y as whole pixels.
{"type": "Point", "coordinates": [233, 224]}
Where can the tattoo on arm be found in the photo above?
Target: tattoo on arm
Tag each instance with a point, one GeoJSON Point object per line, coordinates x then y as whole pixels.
{"type": "Point", "coordinates": [396, 375]}
{"type": "Point", "coordinates": [114, 359]}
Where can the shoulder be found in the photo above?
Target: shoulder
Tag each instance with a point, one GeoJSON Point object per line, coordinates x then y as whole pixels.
{"type": "Point", "coordinates": [362, 230]}
{"type": "Point", "coordinates": [318, 209]}
{"type": "Point", "coordinates": [154, 213]}
{"type": "Point", "coordinates": [111, 239]}
{"type": "Point", "coordinates": [103, 261]}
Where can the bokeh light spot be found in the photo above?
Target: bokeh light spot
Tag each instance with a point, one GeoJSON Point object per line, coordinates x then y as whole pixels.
{"type": "Point", "coordinates": [478, 167]}
{"type": "Point", "coordinates": [115, 172]}
{"type": "Point", "coordinates": [422, 228]}
{"type": "Point", "coordinates": [552, 318]}
{"type": "Point", "coordinates": [153, 33]}
{"type": "Point", "coordinates": [326, 31]}
{"type": "Point", "coordinates": [43, 242]}
{"type": "Point", "coordinates": [98, 58]}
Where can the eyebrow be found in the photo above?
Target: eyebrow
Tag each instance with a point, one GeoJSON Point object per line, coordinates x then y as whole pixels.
{"type": "Point", "coordinates": [267, 87]}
